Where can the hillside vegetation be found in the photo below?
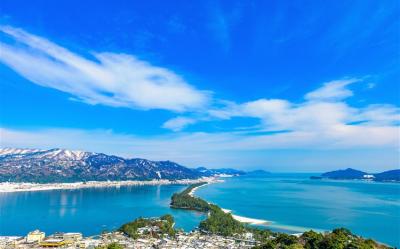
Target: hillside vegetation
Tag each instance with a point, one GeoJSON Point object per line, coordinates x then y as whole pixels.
{"type": "Point", "coordinates": [164, 225]}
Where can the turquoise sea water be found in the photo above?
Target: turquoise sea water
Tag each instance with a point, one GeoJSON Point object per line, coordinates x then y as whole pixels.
{"type": "Point", "coordinates": [89, 211]}
{"type": "Point", "coordinates": [294, 203]}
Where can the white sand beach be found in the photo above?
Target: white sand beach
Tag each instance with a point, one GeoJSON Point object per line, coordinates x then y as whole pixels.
{"type": "Point", "coordinates": [246, 219]}
{"type": "Point", "coordinates": [191, 193]}
{"type": "Point", "coordinates": [236, 217]}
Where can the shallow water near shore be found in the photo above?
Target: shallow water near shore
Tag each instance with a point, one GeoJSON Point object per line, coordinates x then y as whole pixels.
{"type": "Point", "coordinates": [293, 203]}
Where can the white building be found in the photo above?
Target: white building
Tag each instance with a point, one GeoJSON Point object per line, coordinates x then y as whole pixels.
{"type": "Point", "coordinates": [368, 176]}
{"type": "Point", "coordinates": [35, 236]}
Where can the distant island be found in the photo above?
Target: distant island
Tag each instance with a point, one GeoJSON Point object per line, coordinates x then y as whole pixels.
{"type": "Point", "coordinates": [353, 174]}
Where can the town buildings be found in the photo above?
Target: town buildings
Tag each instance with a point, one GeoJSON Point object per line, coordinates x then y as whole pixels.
{"type": "Point", "coordinates": [146, 240]}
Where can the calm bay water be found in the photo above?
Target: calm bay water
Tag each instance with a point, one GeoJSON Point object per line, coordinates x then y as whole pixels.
{"type": "Point", "coordinates": [291, 201]}
{"type": "Point", "coordinates": [295, 203]}
{"type": "Point", "coordinates": [89, 211]}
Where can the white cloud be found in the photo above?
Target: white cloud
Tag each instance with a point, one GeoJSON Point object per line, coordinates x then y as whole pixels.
{"type": "Point", "coordinates": [307, 116]}
{"type": "Point", "coordinates": [371, 85]}
{"type": "Point", "coordinates": [380, 115]}
{"type": "Point", "coordinates": [178, 123]}
{"type": "Point", "coordinates": [262, 107]}
{"type": "Point", "coordinates": [118, 80]}
{"type": "Point", "coordinates": [332, 91]}
{"type": "Point", "coordinates": [323, 110]}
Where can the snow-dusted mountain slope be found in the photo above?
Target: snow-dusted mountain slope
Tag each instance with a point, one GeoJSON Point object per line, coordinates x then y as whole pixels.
{"type": "Point", "coordinates": [60, 165]}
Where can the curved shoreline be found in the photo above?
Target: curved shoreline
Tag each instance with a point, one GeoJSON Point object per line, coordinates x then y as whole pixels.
{"type": "Point", "coordinates": [11, 187]}
{"type": "Point", "coordinates": [191, 193]}
{"type": "Point", "coordinates": [242, 219]}
{"type": "Point", "coordinates": [247, 220]}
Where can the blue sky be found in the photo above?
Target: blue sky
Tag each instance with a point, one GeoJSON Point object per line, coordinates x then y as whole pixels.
{"type": "Point", "coordinates": [279, 85]}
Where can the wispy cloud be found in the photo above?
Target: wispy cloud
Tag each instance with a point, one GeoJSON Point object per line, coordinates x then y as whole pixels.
{"type": "Point", "coordinates": [332, 91]}
{"type": "Point", "coordinates": [222, 22]}
{"type": "Point", "coordinates": [178, 123]}
{"type": "Point", "coordinates": [119, 80]}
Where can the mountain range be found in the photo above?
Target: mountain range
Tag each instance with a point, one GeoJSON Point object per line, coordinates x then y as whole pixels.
{"type": "Point", "coordinates": [60, 165]}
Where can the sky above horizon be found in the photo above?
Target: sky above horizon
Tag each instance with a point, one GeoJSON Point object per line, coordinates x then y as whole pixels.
{"type": "Point", "coordinates": [275, 85]}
